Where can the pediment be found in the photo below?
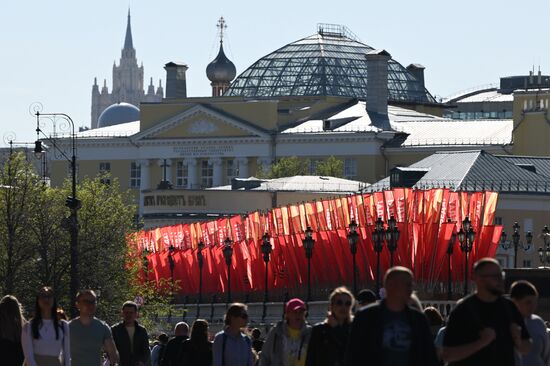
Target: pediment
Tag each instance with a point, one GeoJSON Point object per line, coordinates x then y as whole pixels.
{"type": "Point", "coordinates": [201, 122]}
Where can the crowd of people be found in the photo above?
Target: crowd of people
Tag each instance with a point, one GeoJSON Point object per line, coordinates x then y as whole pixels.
{"type": "Point", "coordinates": [485, 328]}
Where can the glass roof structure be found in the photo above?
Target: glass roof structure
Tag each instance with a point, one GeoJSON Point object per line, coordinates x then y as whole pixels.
{"type": "Point", "coordinates": [329, 63]}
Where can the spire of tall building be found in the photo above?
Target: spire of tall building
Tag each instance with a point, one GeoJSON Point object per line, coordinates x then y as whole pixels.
{"type": "Point", "coordinates": [128, 44]}
{"type": "Point", "coordinates": [127, 82]}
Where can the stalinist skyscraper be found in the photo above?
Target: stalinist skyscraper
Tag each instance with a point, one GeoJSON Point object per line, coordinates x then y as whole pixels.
{"type": "Point", "coordinates": [127, 82]}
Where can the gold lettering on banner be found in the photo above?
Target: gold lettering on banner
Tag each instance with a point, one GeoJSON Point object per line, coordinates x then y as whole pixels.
{"type": "Point", "coordinates": [174, 200]}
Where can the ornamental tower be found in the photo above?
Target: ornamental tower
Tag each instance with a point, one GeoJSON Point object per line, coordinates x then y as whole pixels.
{"type": "Point", "coordinates": [127, 82]}
{"type": "Point", "coordinates": [220, 71]}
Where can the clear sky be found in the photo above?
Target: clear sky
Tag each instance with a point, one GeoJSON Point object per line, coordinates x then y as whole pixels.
{"type": "Point", "coordinates": [52, 50]}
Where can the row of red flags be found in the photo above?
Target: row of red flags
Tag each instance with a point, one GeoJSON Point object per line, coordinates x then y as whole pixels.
{"type": "Point", "coordinates": [426, 220]}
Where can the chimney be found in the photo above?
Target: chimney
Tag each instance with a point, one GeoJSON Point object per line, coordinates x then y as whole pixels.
{"type": "Point", "coordinates": [417, 71]}
{"type": "Point", "coordinates": [377, 82]}
{"type": "Point", "coordinates": [176, 85]}
{"type": "Point", "coordinates": [377, 88]}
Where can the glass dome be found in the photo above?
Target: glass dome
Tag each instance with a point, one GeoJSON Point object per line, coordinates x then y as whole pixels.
{"type": "Point", "coordinates": [329, 63]}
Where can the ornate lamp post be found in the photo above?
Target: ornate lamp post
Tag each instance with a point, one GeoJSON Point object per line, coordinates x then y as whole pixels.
{"type": "Point", "coordinates": [450, 250]}
{"type": "Point", "coordinates": [466, 237]}
{"type": "Point", "coordinates": [171, 264]}
{"type": "Point", "coordinates": [228, 254]}
{"type": "Point", "coordinates": [309, 242]}
{"type": "Point", "coordinates": [72, 202]}
{"type": "Point", "coordinates": [544, 252]}
{"type": "Point", "coordinates": [145, 263]}
{"type": "Point", "coordinates": [353, 238]}
{"type": "Point", "coordinates": [516, 242]}
{"type": "Point", "coordinates": [378, 243]}
{"type": "Point", "coordinates": [266, 251]}
{"type": "Point", "coordinates": [200, 260]}
{"type": "Point", "coordinates": [392, 237]}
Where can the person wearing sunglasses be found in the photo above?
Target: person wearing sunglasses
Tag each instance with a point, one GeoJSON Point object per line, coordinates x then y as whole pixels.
{"type": "Point", "coordinates": [327, 345]}
{"type": "Point", "coordinates": [45, 339]}
{"type": "Point", "coordinates": [391, 332]}
{"type": "Point", "coordinates": [89, 335]}
{"type": "Point", "coordinates": [287, 343]}
{"type": "Point", "coordinates": [485, 328]}
{"type": "Point", "coordinates": [231, 346]}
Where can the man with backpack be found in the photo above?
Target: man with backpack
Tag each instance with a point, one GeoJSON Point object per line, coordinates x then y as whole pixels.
{"type": "Point", "coordinates": [485, 327]}
{"type": "Point", "coordinates": [157, 354]}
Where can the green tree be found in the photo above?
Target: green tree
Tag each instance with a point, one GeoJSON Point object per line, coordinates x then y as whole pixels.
{"type": "Point", "coordinates": [332, 167]}
{"type": "Point", "coordinates": [19, 186]}
{"type": "Point", "coordinates": [288, 167]}
{"type": "Point", "coordinates": [105, 221]}
{"type": "Point", "coordinates": [34, 242]}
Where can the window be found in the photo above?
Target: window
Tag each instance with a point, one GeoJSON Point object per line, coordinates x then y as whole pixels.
{"type": "Point", "coordinates": [350, 168]}
{"type": "Point", "coordinates": [526, 263]}
{"type": "Point", "coordinates": [105, 169]}
{"type": "Point", "coordinates": [207, 173]}
{"type": "Point", "coordinates": [231, 170]}
{"type": "Point", "coordinates": [313, 165]}
{"type": "Point", "coordinates": [498, 220]}
{"type": "Point", "coordinates": [182, 174]}
{"type": "Point", "coordinates": [135, 175]}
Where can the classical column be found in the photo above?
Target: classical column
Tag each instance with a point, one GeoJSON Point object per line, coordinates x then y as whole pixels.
{"type": "Point", "coordinates": [144, 183]}
{"type": "Point", "coordinates": [243, 167]}
{"type": "Point", "coordinates": [264, 163]}
{"type": "Point", "coordinates": [192, 174]}
{"type": "Point", "coordinates": [217, 171]}
{"type": "Point", "coordinates": [145, 180]}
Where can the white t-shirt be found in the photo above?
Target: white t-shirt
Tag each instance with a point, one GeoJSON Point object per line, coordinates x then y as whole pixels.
{"type": "Point", "coordinates": [46, 344]}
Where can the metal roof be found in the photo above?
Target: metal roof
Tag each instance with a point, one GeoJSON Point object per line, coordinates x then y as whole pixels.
{"type": "Point", "coordinates": [419, 129]}
{"type": "Point", "coordinates": [541, 163]}
{"type": "Point", "coordinates": [473, 171]}
{"type": "Point", "coordinates": [306, 183]}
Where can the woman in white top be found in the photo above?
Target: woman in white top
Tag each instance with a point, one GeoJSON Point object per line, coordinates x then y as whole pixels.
{"type": "Point", "coordinates": [45, 339]}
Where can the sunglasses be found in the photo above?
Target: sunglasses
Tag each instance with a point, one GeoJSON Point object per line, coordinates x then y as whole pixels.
{"type": "Point", "coordinates": [341, 303]}
{"type": "Point", "coordinates": [243, 316]}
{"type": "Point", "coordinates": [45, 296]}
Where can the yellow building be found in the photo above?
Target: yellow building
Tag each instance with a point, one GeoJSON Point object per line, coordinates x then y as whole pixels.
{"type": "Point", "coordinates": [360, 106]}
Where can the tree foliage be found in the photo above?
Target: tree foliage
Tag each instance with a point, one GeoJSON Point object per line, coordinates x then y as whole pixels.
{"type": "Point", "coordinates": [34, 244]}
{"type": "Point", "coordinates": [332, 167]}
{"type": "Point", "coordinates": [291, 166]}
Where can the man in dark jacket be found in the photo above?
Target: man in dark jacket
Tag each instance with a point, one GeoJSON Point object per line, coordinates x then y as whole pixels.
{"type": "Point", "coordinates": [131, 339]}
{"type": "Point", "coordinates": [174, 346]}
{"type": "Point", "coordinates": [390, 332]}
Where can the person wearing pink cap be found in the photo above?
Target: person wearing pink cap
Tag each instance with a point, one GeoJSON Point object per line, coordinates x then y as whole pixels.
{"type": "Point", "coordinates": [286, 344]}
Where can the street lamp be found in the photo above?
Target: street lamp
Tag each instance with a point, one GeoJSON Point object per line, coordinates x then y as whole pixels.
{"type": "Point", "coordinates": [353, 238]}
{"type": "Point", "coordinates": [450, 250]}
{"type": "Point", "coordinates": [308, 242]}
{"type": "Point", "coordinates": [228, 253]}
{"type": "Point", "coordinates": [171, 264]}
{"type": "Point", "coordinates": [392, 237]}
{"type": "Point", "coordinates": [145, 263]}
{"type": "Point", "coordinates": [200, 259]}
{"type": "Point", "coordinates": [266, 251]}
{"type": "Point", "coordinates": [544, 252]}
{"type": "Point", "coordinates": [72, 202]}
{"type": "Point", "coordinates": [378, 243]}
{"type": "Point", "coordinates": [516, 242]}
{"type": "Point", "coordinates": [466, 236]}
